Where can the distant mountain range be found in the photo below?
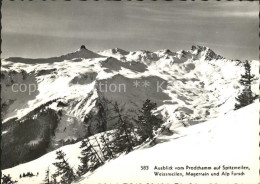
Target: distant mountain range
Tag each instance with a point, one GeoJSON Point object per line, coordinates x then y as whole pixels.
{"type": "Point", "coordinates": [45, 102]}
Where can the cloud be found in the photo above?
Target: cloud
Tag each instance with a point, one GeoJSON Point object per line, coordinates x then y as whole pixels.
{"type": "Point", "coordinates": [199, 9]}
{"type": "Point", "coordinates": [130, 24]}
{"type": "Point", "coordinates": [223, 14]}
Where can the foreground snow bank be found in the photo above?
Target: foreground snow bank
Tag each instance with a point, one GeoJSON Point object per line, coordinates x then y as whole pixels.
{"type": "Point", "coordinates": [231, 140]}
{"type": "Point", "coordinates": [41, 164]}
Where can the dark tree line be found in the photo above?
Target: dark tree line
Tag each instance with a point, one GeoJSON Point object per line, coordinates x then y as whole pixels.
{"type": "Point", "coordinates": [28, 174]}
{"type": "Point", "coordinates": [29, 128]}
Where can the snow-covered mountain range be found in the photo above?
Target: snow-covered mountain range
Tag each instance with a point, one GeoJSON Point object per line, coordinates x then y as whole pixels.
{"type": "Point", "coordinates": [46, 103]}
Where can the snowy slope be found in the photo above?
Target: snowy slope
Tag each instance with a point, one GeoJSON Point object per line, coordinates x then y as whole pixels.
{"type": "Point", "coordinates": [198, 85]}
{"type": "Point", "coordinates": [228, 140]}
{"type": "Point", "coordinates": [41, 164]}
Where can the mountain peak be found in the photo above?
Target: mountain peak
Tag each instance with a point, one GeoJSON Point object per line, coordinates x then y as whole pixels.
{"type": "Point", "coordinates": [82, 53]}
{"type": "Point", "coordinates": [115, 51]}
{"type": "Point", "coordinates": [120, 51]}
{"type": "Point", "coordinates": [209, 54]}
{"type": "Point", "coordinates": [199, 48]}
{"type": "Point", "coordinates": [82, 47]}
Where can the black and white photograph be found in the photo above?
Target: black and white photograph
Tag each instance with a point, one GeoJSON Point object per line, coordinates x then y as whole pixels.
{"type": "Point", "coordinates": [129, 92]}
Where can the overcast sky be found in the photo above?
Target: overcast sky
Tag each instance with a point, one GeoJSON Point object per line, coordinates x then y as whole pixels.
{"type": "Point", "coordinates": [52, 28]}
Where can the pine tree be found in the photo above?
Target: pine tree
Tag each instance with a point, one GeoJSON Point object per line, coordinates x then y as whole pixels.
{"type": "Point", "coordinates": [47, 177]}
{"type": "Point", "coordinates": [107, 148]}
{"type": "Point", "coordinates": [246, 97]}
{"type": "Point", "coordinates": [147, 122]}
{"type": "Point", "coordinates": [63, 169]}
{"type": "Point", "coordinates": [84, 167]}
{"type": "Point", "coordinates": [7, 180]}
{"type": "Point", "coordinates": [123, 135]}
{"type": "Point", "coordinates": [101, 116]}
{"type": "Point", "coordinates": [99, 146]}
{"type": "Point", "coordinates": [90, 160]}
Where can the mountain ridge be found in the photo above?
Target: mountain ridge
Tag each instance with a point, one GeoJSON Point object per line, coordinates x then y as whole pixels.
{"type": "Point", "coordinates": [80, 53]}
{"type": "Point", "coordinates": [86, 53]}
